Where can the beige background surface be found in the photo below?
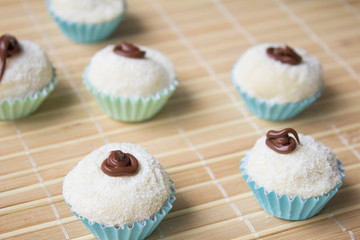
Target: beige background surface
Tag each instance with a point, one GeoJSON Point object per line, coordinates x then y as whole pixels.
{"type": "Point", "coordinates": [203, 131]}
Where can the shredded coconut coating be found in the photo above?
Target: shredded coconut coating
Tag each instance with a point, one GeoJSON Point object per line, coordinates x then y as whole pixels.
{"type": "Point", "coordinates": [26, 72]}
{"type": "Point", "coordinates": [276, 82]}
{"type": "Point", "coordinates": [126, 77]}
{"type": "Point", "coordinates": [87, 11]}
{"type": "Point", "coordinates": [115, 201]}
{"type": "Point", "coordinates": [310, 171]}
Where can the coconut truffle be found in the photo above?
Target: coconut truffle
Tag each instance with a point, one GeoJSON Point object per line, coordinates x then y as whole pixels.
{"type": "Point", "coordinates": [117, 75]}
{"type": "Point", "coordinates": [87, 11]}
{"type": "Point", "coordinates": [274, 81]}
{"type": "Point", "coordinates": [309, 171]}
{"type": "Point", "coordinates": [25, 73]}
{"type": "Point", "coordinates": [115, 201]}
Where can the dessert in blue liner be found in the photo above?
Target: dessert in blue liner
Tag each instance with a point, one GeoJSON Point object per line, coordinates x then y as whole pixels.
{"type": "Point", "coordinates": [119, 191]}
{"type": "Point", "coordinates": [130, 83]}
{"type": "Point", "coordinates": [276, 81]}
{"type": "Point", "coordinates": [87, 21]}
{"type": "Point", "coordinates": [136, 230]}
{"type": "Point", "coordinates": [26, 77]}
{"type": "Point", "coordinates": [292, 178]}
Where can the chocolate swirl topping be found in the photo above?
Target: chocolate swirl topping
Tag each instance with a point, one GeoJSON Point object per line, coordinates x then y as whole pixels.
{"type": "Point", "coordinates": [9, 46]}
{"type": "Point", "coordinates": [119, 163]}
{"type": "Point", "coordinates": [284, 55]}
{"type": "Point", "coordinates": [281, 142]}
{"type": "Point", "coordinates": [128, 50]}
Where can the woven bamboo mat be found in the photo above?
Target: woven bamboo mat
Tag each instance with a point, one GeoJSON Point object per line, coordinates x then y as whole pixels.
{"type": "Point", "coordinates": [203, 131]}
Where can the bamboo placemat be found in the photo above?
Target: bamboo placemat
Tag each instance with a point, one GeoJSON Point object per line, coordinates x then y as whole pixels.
{"type": "Point", "coordinates": [203, 131]}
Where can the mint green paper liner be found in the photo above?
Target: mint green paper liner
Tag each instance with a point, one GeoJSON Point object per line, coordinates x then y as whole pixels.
{"type": "Point", "coordinates": [19, 108]}
{"type": "Point", "coordinates": [86, 33]}
{"type": "Point", "coordinates": [283, 206]}
{"type": "Point", "coordinates": [131, 110]}
{"type": "Point", "coordinates": [136, 231]}
{"type": "Point", "coordinates": [274, 112]}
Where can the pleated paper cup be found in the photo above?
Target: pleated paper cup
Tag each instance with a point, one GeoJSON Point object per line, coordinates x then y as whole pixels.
{"type": "Point", "coordinates": [274, 111]}
{"type": "Point", "coordinates": [285, 207]}
{"type": "Point", "coordinates": [131, 110]}
{"type": "Point", "coordinates": [11, 109]}
{"type": "Point", "coordinates": [134, 231]}
{"type": "Point", "coordinates": [83, 32]}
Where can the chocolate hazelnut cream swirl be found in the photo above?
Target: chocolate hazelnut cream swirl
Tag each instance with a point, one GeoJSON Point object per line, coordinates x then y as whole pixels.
{"type": "Point", "coordinates": [281, 142]}
{"type": "Point", "coordinates": [119, 163]}
{"type": "Point", "coordinates": [128, 50]}
{"type": "Point", "coordinates": [284, 54]}
{"type": "Point", "coordinates": [9, 46]}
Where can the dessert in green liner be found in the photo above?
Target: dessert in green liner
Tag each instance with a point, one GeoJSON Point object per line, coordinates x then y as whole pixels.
{"type": "Point", "coordinates": [130, 83]}
{"type": "Point", "coordinates": [26, 77]}
{"type": "Point", "coordinates": [292, 177]}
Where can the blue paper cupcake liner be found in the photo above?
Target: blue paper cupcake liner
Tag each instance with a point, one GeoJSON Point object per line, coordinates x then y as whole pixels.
{"type": "Point", "coordinates": [19, 108]}
{"type": "Point", "coordinates": [285, 207]}
{"type": "Point", "coordinates": [137, 231]}
{"type": "Point", "coordinates": [130, 110]}
{"type": "Point", "coordinates": [83, 32]}
{"type": "Point", "coordinates": [274, 111]}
